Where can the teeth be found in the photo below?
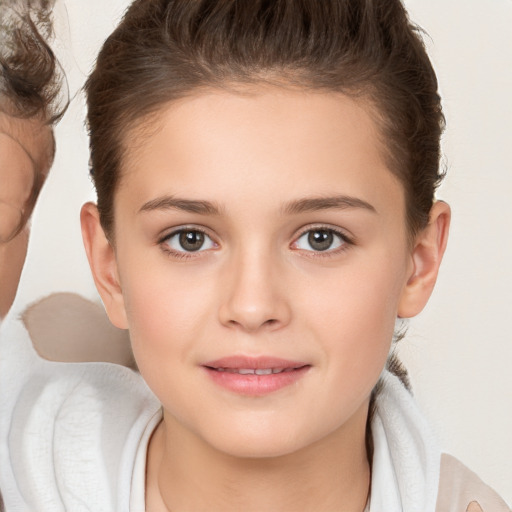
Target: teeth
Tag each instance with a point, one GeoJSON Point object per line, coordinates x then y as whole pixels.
{"type": "Point", "coordinates": [252, 371]}
{"type": "Point", "coordinates": [247, 371]}
{"type": "Point", "coordinates": [266, 371]}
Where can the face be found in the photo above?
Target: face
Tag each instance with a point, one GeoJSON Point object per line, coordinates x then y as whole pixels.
{"type": "Point", "coordinates": [26, 151]}
{"type": "Point", "coordinates": [261, 259]}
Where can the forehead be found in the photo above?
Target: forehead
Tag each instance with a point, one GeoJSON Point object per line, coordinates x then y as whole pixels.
{"type": "Point", "coordinates": [256, 132]}
{"type": "Point", "coordinates": [251, 156]}
{"type": "Point", "coordinates": [33, 136]}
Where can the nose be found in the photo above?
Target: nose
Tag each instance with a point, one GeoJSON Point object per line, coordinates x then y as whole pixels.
{"type": "Point", "coordinates": [254, 295]}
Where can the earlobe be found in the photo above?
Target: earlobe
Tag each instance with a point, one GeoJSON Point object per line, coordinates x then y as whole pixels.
{"type": "Point", "coordinates": [102, 261]}
{"type": "Point", "coordinates": [427, 254]}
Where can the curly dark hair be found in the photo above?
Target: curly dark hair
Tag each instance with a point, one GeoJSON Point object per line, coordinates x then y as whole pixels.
{"type": "Point", "coordinates": [31, 79]}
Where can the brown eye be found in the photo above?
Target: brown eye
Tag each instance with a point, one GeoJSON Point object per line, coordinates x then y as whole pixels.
{"type": "Point", "coordinates": [188, 240]}
{"type": "Point", "coordinates": [191, 241]}
{"type": "Point", "coordinates": [320, 240]}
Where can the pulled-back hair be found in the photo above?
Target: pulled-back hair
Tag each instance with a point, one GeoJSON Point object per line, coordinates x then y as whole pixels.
{"type": "Point", "coordinates": [31, 81]}
{"type": "Point", "coordinates": [167, 49]}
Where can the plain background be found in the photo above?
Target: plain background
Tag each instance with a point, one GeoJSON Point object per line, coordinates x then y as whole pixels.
{"type": "Point", "coordinates": [459, 350]}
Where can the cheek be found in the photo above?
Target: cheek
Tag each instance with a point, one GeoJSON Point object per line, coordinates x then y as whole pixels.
{"type": "Point", "coordinates": [170, 321]}
{"type": "Point", "coordinates": [167, 311]}
{"type": "Point", "coordinates": [355, 317]}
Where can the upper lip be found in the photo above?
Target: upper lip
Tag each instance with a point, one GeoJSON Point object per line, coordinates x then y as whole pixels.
{"type": "Point", "coordinates": [255, 363]}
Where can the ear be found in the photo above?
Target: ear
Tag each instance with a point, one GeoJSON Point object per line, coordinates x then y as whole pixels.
{"type": "Point", "coordinates": [427, 254]}
{"type": "Point", "coordinates": [102, 260]}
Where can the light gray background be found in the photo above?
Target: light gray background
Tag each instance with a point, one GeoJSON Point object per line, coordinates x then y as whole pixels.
{"type": "Point", "coordinates": [459, 351]}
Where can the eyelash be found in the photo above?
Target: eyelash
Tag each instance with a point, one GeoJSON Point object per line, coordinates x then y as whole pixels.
{"type": "Point", "coordinates": [346, 241]}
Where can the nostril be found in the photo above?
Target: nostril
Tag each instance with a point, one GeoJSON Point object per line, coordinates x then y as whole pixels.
{"type": "Point", "coordinates": [252, 312]}
{"type": "Point", "coordinates": [253, 326]}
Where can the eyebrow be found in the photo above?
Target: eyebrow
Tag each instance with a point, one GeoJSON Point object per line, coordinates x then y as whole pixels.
{"type": "Point", "coordinates": [305, 205]}
{"type": "Point", "coordinates": [186, 205]}
{"type": "Point", "coordinates": [326, 203]}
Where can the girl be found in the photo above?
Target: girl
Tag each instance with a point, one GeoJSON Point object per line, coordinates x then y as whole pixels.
{"type": "Point", "coordinates": [266, 175]}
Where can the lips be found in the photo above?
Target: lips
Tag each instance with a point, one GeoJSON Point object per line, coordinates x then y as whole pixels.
{"type": "Point", "coordinates": [255, 376]}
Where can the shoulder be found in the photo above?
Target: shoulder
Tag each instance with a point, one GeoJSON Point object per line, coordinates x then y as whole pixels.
{"type": "Point", "coordinates": [69, 432]}
{"type": "Point", "coordinates": [461, 490]}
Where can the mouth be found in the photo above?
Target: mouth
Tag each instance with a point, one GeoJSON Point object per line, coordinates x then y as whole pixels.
{"type": "Point", "coordinates": [255, 376]}
{"type": "Point", "coordinates": [254, 371]}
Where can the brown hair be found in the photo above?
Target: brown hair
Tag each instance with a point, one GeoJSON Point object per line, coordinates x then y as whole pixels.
{"type": "Point", "coordinates": [166, 49]}
{"type": "Point", "coordinates": [31, 80]}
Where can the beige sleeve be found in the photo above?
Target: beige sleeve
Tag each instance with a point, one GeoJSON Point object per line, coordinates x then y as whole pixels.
{"type": "Point", "coordinates": [68, 328]}
{"type": "Point", "coordinates": [460, 490]}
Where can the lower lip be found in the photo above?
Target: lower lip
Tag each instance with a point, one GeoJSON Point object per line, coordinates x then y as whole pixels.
{"type": "Point", "coordinates": [256, 385]}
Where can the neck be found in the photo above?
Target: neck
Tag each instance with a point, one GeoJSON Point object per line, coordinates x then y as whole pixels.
{"type": "Point", "coordinates": [186, 474]}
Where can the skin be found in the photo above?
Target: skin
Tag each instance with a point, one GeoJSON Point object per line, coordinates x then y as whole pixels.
{"type": "Point", "coordinates": [258, 288]}
{"type": "Point", "coordinates": [26, 153]}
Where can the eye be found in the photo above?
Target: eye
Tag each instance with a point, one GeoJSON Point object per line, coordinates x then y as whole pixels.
{"type": "Point", "coordinates": [320, 240]}
{"type": "Point", "coordinates": [189, 240]}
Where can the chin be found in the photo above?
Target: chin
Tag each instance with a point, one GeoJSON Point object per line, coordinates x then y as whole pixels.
{"type": "Point", "coordinates": [258, 448]}
{"type": "Point", "coordinates": [258, 442]}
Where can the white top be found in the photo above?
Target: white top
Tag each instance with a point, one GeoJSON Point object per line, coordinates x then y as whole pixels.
{"type": "Point", "coordinates": [74, 437]}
